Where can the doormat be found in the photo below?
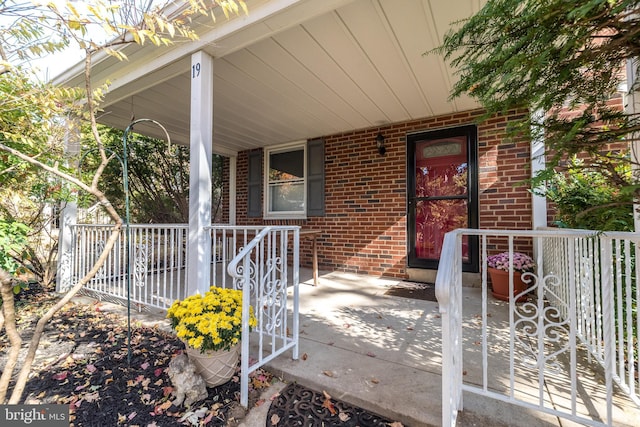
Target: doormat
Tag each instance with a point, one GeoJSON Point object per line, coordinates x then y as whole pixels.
{"type": "Point", "coordinates": [297, 405]}
{"type": "Point", "coordinates": [423, 291]}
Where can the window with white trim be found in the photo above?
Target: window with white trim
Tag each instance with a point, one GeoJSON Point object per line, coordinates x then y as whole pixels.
{"type": "Point", "coordinates": [286, 181]}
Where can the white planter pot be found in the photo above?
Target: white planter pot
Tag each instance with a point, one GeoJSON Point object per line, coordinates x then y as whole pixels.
{"type": "Point", "coordinates": [215, 367]}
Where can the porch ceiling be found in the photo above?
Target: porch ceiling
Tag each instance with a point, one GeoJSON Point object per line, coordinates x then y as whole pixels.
{"type": "Point", "coordinates": [292, 70]}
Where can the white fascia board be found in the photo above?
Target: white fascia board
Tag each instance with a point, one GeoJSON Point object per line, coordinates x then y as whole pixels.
{"type": "Point", "coordinates": [76, 72]}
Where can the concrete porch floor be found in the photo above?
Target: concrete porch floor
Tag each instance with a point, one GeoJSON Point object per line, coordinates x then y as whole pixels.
{"type": "Point", "coordinates": [383, 353]}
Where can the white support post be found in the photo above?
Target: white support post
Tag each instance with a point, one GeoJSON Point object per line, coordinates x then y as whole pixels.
{"type": "Point", "coordinates": [233, 167]}
{"type": "Point", "coordinates": [68, 215]}
{"type": "Point", "coordinates": [201, 142]}
{"type": "Point", "coordinates": [538, 203]}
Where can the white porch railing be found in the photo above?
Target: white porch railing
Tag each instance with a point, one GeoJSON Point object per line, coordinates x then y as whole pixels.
{"type": "Point", "coordinates": [262, 261]}
{"type": "Point", "coordinates": [578, 325]}
{"type": "Point", "coordinates": [158, 260]}
{"type": "Point", "coordinates": [226, 242]}
{"type": "Point", "coordinates": [158, 256]}
{"type": "Point", "coordinates": [261, 270]}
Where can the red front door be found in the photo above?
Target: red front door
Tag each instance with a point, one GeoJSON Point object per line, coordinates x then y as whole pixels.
{"type": "Point", "coordinates": [441, 197]}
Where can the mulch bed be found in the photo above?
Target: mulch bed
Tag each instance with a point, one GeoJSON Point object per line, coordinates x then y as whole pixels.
{"type": "Point", "coordinates": [83, 361]}
{"type": "Point", "coordinates": [297, 405]}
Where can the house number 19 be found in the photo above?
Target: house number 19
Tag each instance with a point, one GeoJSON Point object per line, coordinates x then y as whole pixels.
{"type": "Point", "coordinates": [195, 70]}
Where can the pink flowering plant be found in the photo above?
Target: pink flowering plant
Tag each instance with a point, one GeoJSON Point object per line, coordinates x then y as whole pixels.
{"type": "Point", "coordinates": [521, 262]}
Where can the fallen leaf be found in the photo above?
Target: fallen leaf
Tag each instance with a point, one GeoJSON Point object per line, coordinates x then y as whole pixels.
{"type": "Point", "coordinates": [208, 418]}
{"type": "Point", "coordinates": [159, 409]}
{"type": "Point", "coordinates": [305, 356]}
{"type": "Point", "coordinates": [259, 382]}
{"type": "Point", "coordinates": [91, 368]}
{"type": "Point", "coordinates": [326, 395]}
{"type": "Point", "coordinates": [61, 376]}
{"type": "Point", "coordinates": [328, 373]}
{"type": "Point", "coordinates": [346, 325]}
{"type": "Point", "coordinates": [260, 402]}
{"type": "Point", "coordinates": [370, 354]}
{"type": "Point", "coordinates": [91, 397]}
{"type": "Point", "coordinates": [275, 419]}
{"type": "Point", "coordinates": [132, 415]}
{"type": "Point", "coordinates": [409, 328]}
{"type": "Point", "coordinates": [145, 365]}
{"type": "Point", "coordinates": [375, 380]}
{"type": "Point", "coordinates": [329, 405]}
{"type": "Point", "coordinates": [344, 417]}
{"type": "Point", "coordinates": [158, 372]}
{"type": "Point", "coordinates": [396, 424]}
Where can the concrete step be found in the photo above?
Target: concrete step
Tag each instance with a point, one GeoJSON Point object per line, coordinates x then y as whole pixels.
{"type": "Point", "coordinates": [394, 390]}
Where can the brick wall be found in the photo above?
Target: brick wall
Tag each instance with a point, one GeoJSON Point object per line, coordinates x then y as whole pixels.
{"type": "Point", "coordinates": [364, 229]}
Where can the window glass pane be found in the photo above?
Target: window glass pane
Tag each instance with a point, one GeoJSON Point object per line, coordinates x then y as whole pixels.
{"type": "Point", "coordinates": [286, 166]}
{"type": "Point", "coordinates": [441, 167]}
{"type": "Point", "coordinates": [286, 181]}
{"type": "Point", "coordinates": [286, 197]}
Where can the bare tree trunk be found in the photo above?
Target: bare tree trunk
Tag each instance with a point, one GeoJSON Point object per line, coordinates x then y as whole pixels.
{"type": "Point", "coordinates": [23, 376]}
{"type": "Point", "coordinates": [9, 310]}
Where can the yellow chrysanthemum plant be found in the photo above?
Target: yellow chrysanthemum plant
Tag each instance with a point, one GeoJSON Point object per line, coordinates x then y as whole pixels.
{"type": "Point", "coordinates": [212, 321]}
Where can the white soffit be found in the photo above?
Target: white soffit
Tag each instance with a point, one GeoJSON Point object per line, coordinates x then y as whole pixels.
{"type": "Point", "coordinates": [295, 69]}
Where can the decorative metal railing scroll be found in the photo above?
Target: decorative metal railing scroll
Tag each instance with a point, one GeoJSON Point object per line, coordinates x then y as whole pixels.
{"type": "Point", "coordinates": [576, 321]}
{"type": "Point", "coordinates": [157, 267]}
{"type": "Point", "coordinates": [267, 271]}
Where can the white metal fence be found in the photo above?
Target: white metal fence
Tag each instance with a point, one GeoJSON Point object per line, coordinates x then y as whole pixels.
{"type": "Point", "coordinates": [574, 336]}
{"type": "Point", "coordinates": [262, 261]}
{"type": "Point", "coordinates": [157, 261]}
{"type": "Point", "coordinates": [605, 284]}
{"type": "Point", "coordinates": [261, 270]}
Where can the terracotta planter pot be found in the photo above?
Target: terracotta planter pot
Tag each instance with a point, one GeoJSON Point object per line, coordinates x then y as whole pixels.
{"type": "Point", "coordinates": [215, 367]}
{"type": "Point", "coordinates": [500, 284]}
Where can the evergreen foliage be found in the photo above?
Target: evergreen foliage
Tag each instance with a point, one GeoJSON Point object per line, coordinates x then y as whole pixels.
{"type": "Point", "coordinates": [585, 199]}
{"type": "Point", "coordinates": [553, 56]}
